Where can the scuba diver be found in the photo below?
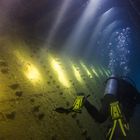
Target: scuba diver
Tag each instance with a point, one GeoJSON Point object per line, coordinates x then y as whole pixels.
{"type": "Point", "coordinates": [118, 104]}
{"type": "Point", "coordinates": [117, 89]}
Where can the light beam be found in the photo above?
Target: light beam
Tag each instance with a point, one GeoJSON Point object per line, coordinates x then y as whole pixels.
{"type": "Point", "coordinates": [73, 43]}
{"type": "Point", "coordinates": [66, 4]}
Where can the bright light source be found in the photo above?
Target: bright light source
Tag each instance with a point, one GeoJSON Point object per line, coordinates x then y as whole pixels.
{"type": "Point", "coordinates": [77, 74]}
{"type": "Point", "coordinates": [60, 72]}
{"type": "Point", "coordinates": [30, 71]}
{"type": "Point", "coordinates": [86, 69]}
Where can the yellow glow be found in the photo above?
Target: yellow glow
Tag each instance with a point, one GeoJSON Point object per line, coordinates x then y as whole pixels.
{"type": "Point", "coordinates": [77, 74]}
{"type": "Point", "coordinates": [60, 72]}
{"type": "Point", "coordinates": [86, 69]}
{"type": "Point", "coordinates": [3, 89]}
{"type": "Point", "coordinates": [30, 71]}
{"type": "Point", "coordinates": [95, 72]}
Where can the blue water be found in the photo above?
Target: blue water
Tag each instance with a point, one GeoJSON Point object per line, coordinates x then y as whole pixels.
{"type": "Point", "coordinates": [119, 52]}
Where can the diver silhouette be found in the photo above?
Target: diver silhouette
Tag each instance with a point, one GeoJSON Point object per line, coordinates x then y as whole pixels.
{"type": "Point", "coordinates": [117, 89]}
{"type": "Point", "coordinates": [119, 102]}
{"type": "Point", "coordinates": [118, 105]}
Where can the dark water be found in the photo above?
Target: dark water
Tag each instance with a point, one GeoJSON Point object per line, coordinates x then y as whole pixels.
{"type": "Point", "coordinates": [51, 50]}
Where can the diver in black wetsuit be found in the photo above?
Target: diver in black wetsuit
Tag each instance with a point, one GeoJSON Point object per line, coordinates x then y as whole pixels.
{"type": "Point", "coordinates": [118, 104]}
{"type": "Point", "coordinates": [117, 89]}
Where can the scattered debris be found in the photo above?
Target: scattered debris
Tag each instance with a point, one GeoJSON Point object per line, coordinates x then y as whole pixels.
{"type": "Point", "coordinates": [48, 83]}
{"type": "Point", "coordinates": [74, 115]}
{"type": "Point", "coordinates": [19, 93]}
{"type": "Point", "coordinates": [84, 132]}
{"type": "Point", "coordinates": [2, 116]}
{"type": "Point", "coordinates": [11, 115]}
{"type": "Point", "coordinates": [14, 86]}
{"type": "Point", "coordinates": [54, 137]}
{"type": "Point", "coordinates": [5, 70]}
{"type": "Point", "coordinates": [36, 108]}
{"type": "Point", "coordinates": [61, 93]}
{"type": "Point", "coordinates": [68, 104]}
{"type": "Point", "coordinates": [3, 63]}
{"type": "Point", "coordinates": [32, 100]}
{"type": "Point", "coordinates": [58, 86]}
{"type": "Point", "coordinates": [41, 116]}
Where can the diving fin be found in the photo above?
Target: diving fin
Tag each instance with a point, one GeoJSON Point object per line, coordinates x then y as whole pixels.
{"type": "Point", "coordinates": [78, 104]}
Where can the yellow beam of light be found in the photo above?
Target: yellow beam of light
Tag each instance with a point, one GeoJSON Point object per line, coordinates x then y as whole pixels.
{"type": "Point", "coordinates": [86, 69]}
{"type": "Point", "coordinates": [77, 74]}
{"type": "Point", "coordinates": [29, 70]}
{"type": "Point", "coordinates": [95, 72]}
{"type": "Point", "coordinates": [60, 72]}
{"type": "Point", "coordinates": [32, 72]}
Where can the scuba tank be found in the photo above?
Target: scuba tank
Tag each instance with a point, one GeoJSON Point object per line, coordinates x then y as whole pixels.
{"type": "Point", "coordinates": [111, 86]}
